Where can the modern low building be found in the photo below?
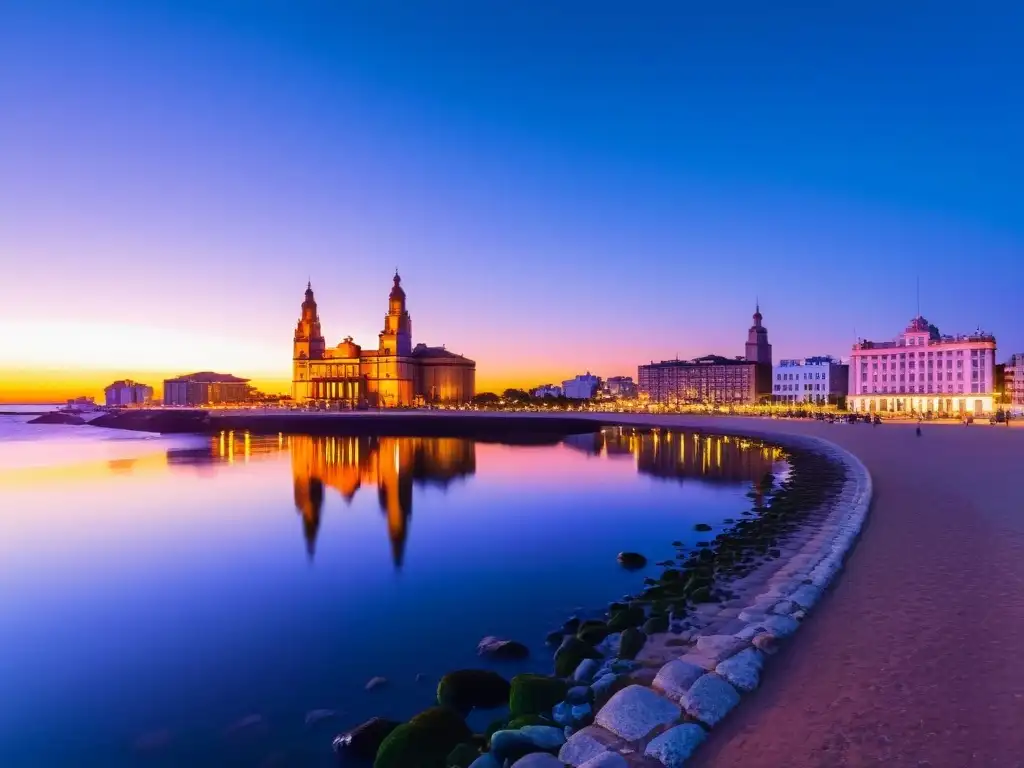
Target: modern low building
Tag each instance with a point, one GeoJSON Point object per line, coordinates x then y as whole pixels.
{"type": "Point", "coordinates": [205, 388]}
{"type": "Point", "coordinates": [820, 380]}
{"type": "Point", "coordinates": [1013, 383]}
{"type": "Point", "coordinates": [620, 386]}
{"type": "Point", "coordinates": [923, 371]}
{"type": "Point", "coordinates": [713, 379]}
{"type": "Point", "coordinates": [547, 390]}
{"type": "Point", "coordinates": [127, 392]}
{"type": "Point", "coordinates": [583, 387]}
{"type": "Point", "coordinates": [394, 374]}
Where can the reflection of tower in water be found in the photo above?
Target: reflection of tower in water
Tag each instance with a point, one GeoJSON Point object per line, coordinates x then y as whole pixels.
{"type": "Point", "coordinates": [393, 464]}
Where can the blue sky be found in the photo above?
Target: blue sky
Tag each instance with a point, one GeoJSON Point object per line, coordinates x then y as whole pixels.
{"type": "Point", "coordinates": [564, 186]}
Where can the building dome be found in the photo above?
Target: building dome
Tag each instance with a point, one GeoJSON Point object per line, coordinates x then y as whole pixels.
{"type": "Point", "coordinates": [396, 289]}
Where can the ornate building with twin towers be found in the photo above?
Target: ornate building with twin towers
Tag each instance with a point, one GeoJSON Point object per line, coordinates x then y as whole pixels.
{"type": "Point", "coordinates": [395, 374]}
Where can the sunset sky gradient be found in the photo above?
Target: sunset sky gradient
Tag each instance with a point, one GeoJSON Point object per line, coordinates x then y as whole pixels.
{"type": "Point", "coordinates": [563, 186]}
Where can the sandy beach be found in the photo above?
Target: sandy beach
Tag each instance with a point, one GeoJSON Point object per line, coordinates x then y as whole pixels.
{"type": "Point", "coordinates": [913, 658]}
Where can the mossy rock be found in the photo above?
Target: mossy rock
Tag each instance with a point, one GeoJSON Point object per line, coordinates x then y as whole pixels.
{"type": "Point", "coordinates": [462, 756]}
{"type": "Point", "coordinates": [535, 694]}
{"type": "Point", "coordinates": [569, 655]}
{"type": "Point", "coordinates": [656, 624]}
{"type": "Point", "coordinates": [592, 632]}
{"type": "Point", "coordinates": [701, 595]}
{"type": "Point", "coordinates": [702, 527]}
{"type": "Point", "coordinates": [632, 616]}
{"type": "Point", "coordinates": [632, 641]}
{"type": "Point", "coordinates": [670, 576]}
{"type": "Point", "coordinates": [425, 741]}
{"type": "Point", "coordinates": [466, 689]}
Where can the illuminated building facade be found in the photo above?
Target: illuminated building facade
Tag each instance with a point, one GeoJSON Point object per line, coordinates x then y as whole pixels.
{"type": "Point", "coordinates": [922, 371]}
{"type": "Point", "coordinates": [395, 374]}
{"type": "Point", "coordinates": [582, 387]}
{"type": "Point", "coordinates": [713, 379]}
{"type": "Point", "coordinates": [1013, 382]}
{"type": "Point", "coordinates": [205, 388]}
{"type": "Point", "coordinates": [810, 380]}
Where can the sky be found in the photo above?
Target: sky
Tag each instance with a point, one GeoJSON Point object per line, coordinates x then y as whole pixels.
{"type": "Point", "coordinates": [563, 186]}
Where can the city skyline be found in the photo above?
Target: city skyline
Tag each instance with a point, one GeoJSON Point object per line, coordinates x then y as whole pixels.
{"type": "Point", "coordinates": [550, 213]}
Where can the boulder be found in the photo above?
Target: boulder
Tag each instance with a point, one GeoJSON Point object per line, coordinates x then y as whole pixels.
{"type": "Point", "coordinates": [535, 694]}
{"type": "Point", "coordinates": [675, 678]}
{"type": "Point", "coordinates": [710, 699]}
{"type": "Point", "coordinates": [632, 560]}
{"type": "Point", "coordinates": [656, 625]}
{"type": "Point", "coordinates": [586, 671]}
{"type": "Point", "coordinates": [632, 642]}
{"type": "Point", "coordinates": [580, 694]}
{"type": "Point", "coordinates": [502, 650]}
{"type": "Point", "coordinates": [702, 527]}
{"type": "Point", "coordinates": [466, 689]}
{"type": "Point", "coordinates": [363, 741]}
{"type": "Point", "coordinates": [544, 737]}
{"type": "Point", "coordinates": [486, 761]}
{"type": "Point", "coordinates": [592, 631]}
{"type": "Point", "coordinates": [780, 626]}
{"type": "Point", "coordinates": [522, 721]}
{"type": "Point", "coordinates": [675, 746]}
{"type": "Point", "coordinates": [423, 742]}
{"type": "Point", "coordinates": [585, 744]}
{"type": "Point", "coordinates": [742, 670]}
{"type": "Point", "coordinates": [570, 653]}
{"type": "Point", "coordinates": [630, 616]}
{"type": "Point", "coordinates": [635, 712]}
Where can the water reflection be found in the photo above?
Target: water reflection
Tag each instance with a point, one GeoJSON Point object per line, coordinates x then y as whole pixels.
{"type": "Point", "coordinates": [682, 455]}
{"type": "Point", "coordinates": [393, 465]}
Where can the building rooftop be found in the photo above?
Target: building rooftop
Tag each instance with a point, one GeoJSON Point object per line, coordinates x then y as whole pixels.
{"type": "Point", "coordinates": [209, 377]}
{"type": "Point", "coordinates": [422, 350]}
{"type": "Point", "coordinates": [706, 360]}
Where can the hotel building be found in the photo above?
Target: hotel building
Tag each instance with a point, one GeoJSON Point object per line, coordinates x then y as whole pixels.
{"type": "Point", "coordinates": [922, 371]}
{"type": "Point", "coordinates": [811, 380]}
{"type": "Point", "coordinates": [712, 379]}
{"type": "Point", "coordinates": [392, 375]}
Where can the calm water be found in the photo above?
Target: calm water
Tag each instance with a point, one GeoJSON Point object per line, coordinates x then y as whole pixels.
{"type": "Point", "coordinates": [189, 601]}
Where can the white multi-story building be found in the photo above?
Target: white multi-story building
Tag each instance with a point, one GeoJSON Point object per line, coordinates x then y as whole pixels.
{"type": "Point", "coordinates": [547, 390]}
{"type": "Point", "coordinates": [620, 386]}
{"type": "Point", "coordinates": [810, 380]}
{"type": "Point", "coordinates": [923, 371]}
{"type": "Point", "coordinates": [128, 392]}
{"type": "Point", "coordinates": [582, 387]}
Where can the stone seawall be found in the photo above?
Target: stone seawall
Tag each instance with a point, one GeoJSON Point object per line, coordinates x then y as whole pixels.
{"type": "Point", "coordinates": [681, 685]}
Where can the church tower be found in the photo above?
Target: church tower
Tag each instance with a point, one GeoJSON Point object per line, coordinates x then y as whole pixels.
{"type": "Point", "coordinates": [396, 338]}
{"type": "Point", "coordinates": [758, 348]}
{"type": "Point", "coordinates": [308, 344]}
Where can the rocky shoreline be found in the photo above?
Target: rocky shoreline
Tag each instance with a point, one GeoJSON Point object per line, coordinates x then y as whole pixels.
{"type": "Point", "coordinates": [641, 686]}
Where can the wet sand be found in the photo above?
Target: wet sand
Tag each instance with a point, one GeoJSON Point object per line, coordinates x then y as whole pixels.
{"type": "Point", "coordinates": [916, 655]}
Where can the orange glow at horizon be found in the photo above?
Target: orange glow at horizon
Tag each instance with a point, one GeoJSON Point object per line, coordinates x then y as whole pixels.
{"type": "Point", "coordinates": [58, 385]}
